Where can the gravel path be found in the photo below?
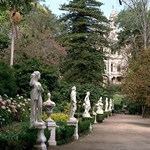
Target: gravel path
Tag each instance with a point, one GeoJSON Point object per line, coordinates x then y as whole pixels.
{"type": "Point", "coordinates": [118, 132]}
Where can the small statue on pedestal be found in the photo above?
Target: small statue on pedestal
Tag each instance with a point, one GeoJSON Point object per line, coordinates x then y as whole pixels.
{"type": "Point", "coordinates": [87, 106]}
{"type": "Point", "coordinates": [106, 105]}
{"type": "Point", "coordinates": [73, 103]}
{"type": "Point", "coordinates": [99, 106]}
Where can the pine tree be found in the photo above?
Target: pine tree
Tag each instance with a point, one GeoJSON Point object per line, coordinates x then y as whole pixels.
{"type": "Point", "coordinates": [84, 39]}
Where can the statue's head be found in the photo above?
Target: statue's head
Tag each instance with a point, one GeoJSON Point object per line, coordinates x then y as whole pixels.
{"type": "Point", "coordinates": [36, 74]}
{"type": "Point", "coordinates": [88, 93]}
{"type": "Point", "coordinates": [73, 88]}
{"type": "Point", "coordinates": [34, 77]}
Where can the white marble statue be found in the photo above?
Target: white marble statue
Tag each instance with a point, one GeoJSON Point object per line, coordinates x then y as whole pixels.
{"type": "Point", "coordinates": [99, 106]}
{"type": "Point", "coordinates": [110, 105]}
{"type": "Point", "coordinates": [106, 105]}
{"type": "Point", "coordinates": [87, 105]}
{"type": "Point", "coordinates": [73, 103]}
{"type": "Point", "coordinates": [36, 100]}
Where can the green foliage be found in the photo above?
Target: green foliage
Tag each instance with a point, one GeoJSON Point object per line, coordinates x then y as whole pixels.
{"type": "Point", "coordinates": [17, 136]}
{"type": "Point", "coordinates": [118, 102]}
{"type": "Point", "coordinates": [24, 68]}
{"type": "Point", "coordinates": [133, 22]}
{"type": "Point", "coordinates": [22, 6]}
{"type": "Point", "coordinates": [107, 114]}
{"type": "Point", "coordinates": [100, 118]}
{"type": "Point", "coordinates": [61, 94]}
{"type": "Point", "coordinates": [4, 41]}
{"type": "Point", "coordinates": [83, 125]}
{"type": "Point", "coordinates": [4, 30]}
{"type": "Point", "coordinates": [64, 133]}
{"type": "Point", "coordinates": [84, 38]}
{"type": "Point", "coordinates": [7, 80]}
{"type": "Point", "coordinates": [136, 87]}
{"type": "Point", "coordinates": [134, 108]}
{"type": "Point", "coordinates": [95, 92]}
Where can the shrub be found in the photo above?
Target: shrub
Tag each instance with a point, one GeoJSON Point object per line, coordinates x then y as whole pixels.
{"type": "Point", "coordinates": [100, 118]}
{"type": "Point", "coordinates": [7, 80]}
{"type": "Point", "coordinates": [84, 125]}
{"type": "Point", "coordinates": [59, 116]}
{"type": "Point", "coordinates": [49, 75]}
{"type": "Point", "coordinates": [107, 114]}
{"type": "Point", "coordinates": [17, 136]}
{"type": "Point", "coordinates": [64, 133]}
{"type": "Point", "coordinates": [14, 109]}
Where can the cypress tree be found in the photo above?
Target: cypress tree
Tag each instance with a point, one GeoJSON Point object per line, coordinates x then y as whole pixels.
{"type": "Point", "coordinates": [84, 38]}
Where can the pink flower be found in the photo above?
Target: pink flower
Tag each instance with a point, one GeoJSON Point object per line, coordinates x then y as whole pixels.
{"type": "Point", "coordinates": [19, 105]}
{"type": "Point", "coordinates": [12, 106]}
{"type": "Point", "coordinates": [14, 110]}
{"type": "Point", "coordinates": [1, 99]}
{"type": "Point", "coordinates": [9, 110]}
{"type": "Point", "coordinates": [4, 102]}
{"type": "Point", "coordinates": [23, 104]}
{"type": "Point", "coordinates": [9, 101]}
{"type": "Point", "coordinates": [3, 107]}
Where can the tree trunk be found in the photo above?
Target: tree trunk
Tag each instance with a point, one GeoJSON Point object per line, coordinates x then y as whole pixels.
{"type": "Point", "coordinates": [12, 50]}
{"type": "Point", "coordinates": [146, 111]}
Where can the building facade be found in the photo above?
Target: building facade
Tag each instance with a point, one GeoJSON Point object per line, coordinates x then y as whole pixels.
{"type": "Point", "coordinates": [116, 62]}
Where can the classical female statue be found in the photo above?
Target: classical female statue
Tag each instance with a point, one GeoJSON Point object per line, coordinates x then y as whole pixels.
{"type": "Point", "coordinates": [36, 99]}
{"type": "Point", "coordinates": [87, 105]}
{"type": "Point", "coordinates": [99, 106]}
{"type": "Point", "coordinates": [106, 105]}
{"type": "Point", "coordinates": [73, 102]}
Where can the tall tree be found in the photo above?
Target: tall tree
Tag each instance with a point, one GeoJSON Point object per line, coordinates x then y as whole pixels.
{"type": "Point", "coordinates": [137, 81]}
{"type": "Point", "coordinates": [139, 14]}
{"type": "Point", "coordinates": [36, 39]}
{"type": "Point", "coordinates": [14, 6]}
{"type": "Point", "coordinates": [84, 39]}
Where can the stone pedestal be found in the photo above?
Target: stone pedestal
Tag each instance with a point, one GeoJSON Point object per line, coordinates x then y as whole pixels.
{"type": "Point", "coordinates": [41, 139]}
{"type": "Point", "coordinates": [95, 118]}
{"type": "Point", "coordinates": [95, 114]}
{"type": "Point", "coordinates": [91, 128]}
{"type": "Point", "coordinates": [73, 121]}
{"type": "Point", "coordinates": [51, 125]}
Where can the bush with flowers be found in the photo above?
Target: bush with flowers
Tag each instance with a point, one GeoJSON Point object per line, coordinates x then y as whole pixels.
{"type": "Point", "coordinates": [13, 109]}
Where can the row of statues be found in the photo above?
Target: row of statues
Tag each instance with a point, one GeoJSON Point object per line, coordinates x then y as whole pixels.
{"type": "Point", "coordinates": [36, 112]}
{"type": "Point", "coordinates": [36, 102]}
{"type": "Point", "coordinates": [87, 105]}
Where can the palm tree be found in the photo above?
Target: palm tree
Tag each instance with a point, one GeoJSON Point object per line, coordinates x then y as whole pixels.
{"type": "Point", "coordinates": [14, 16]}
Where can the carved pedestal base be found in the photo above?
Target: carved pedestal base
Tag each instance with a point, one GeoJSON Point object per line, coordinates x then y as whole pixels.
{"type": "Point", "coordinates": [41, 139]}
{"type": "Point", "coordinates": [74, 122]}
{"type": "Point", "coordinates": [52, 128]}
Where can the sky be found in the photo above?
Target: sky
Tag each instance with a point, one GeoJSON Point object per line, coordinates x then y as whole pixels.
{"type": "Point", "coordinates": [54, 6]}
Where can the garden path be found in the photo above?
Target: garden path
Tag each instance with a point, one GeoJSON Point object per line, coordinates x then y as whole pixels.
{"type": "Point", "coordinates": [118, 132]}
